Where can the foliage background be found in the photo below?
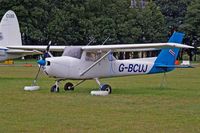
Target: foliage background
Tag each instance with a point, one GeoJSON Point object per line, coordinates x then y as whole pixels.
{"type": "Point", "coordinates": [77, 22]}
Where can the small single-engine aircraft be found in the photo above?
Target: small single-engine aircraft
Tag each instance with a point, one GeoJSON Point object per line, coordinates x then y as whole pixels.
{"type": "Point", "coordinates": [94, 62]}
{"type": "Point", "coordinates": [10, 35]}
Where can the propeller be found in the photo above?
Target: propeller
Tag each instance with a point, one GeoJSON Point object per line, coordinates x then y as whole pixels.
{"type": "Point", "coordinates": [46, 54]}
{"type": "Point", "coordinates": [41, 63]}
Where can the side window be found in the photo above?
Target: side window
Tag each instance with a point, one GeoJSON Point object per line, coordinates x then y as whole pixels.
{"type": "Point", "coordinates": [91, 56]}
{"type": "Point", "coordinates": [135, 54]}
{"type": "Point", "coordinates": [94, 56]}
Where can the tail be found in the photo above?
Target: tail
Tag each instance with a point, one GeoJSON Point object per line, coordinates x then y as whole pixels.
{"type": "Point", "coordinates": [9, 30]}
{"type": "Point", "coordinates": [166, 59]}
{"type": "Point", "coordinates": [168, 56]}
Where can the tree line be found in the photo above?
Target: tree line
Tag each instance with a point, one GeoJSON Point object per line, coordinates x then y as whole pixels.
{"type": "Point", "coordinates": [76, 22]}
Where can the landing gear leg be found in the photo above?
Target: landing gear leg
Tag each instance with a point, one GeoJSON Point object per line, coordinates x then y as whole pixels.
{"type": "Point", "coordinates": [55, 87]}
{"type": "Point", "coordinates": [104, 87]}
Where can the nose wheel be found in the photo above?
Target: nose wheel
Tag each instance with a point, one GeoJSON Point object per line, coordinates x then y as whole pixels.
{"type": "Point", "coordinates": [54, 88]}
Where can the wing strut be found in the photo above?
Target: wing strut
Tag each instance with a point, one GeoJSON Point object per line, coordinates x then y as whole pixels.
{"type": "Point", "coordinates": [90, 67]}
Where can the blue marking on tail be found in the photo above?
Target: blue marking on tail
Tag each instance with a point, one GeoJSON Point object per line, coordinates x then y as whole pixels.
{"type": "Point", "coordinates": [167, 56]}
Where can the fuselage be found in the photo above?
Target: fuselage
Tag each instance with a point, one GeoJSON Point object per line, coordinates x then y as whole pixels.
{"type": "Point", "coordinates": [66, 67]}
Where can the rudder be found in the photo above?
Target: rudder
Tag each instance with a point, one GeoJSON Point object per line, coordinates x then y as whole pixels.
{"type": "Point", "coordinates": [9, 30]}
{"type": "Point", "coordinates": [166, 59]}
{"type": "Point", "coordinates": [168, 56]}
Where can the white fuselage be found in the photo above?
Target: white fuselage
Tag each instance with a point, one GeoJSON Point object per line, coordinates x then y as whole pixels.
{"type": "Point", "coordinates": [66, 67]}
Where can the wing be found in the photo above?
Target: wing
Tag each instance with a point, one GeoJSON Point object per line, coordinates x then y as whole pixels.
{"type": "Point", "coordinates": [134, 46]}
{"type": "Point", "coordinates": [117, 47]}
{"type": "Point", "coordinates": [40, 48]}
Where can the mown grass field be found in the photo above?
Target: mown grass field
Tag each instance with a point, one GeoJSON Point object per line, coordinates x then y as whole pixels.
{"type": "Point", "coordinates": [137, 104]}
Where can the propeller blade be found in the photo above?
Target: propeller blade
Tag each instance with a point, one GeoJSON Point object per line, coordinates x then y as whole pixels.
{"type": "Point", "coordinates": [48, 46]}
{"type": "Point", "coordinates": [46, 54]}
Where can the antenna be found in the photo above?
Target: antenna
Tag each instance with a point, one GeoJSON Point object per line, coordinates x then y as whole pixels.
{"type": "Point", "coordinates": [105, 41]}
{"type": "Point", "coordinates": [91, 41]}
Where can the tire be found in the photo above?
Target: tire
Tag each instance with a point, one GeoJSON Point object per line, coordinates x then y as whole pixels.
{"type": "Point", "coordinates": [106, 87]}
{"type": "Point", "coordinates": [68, 87]}
{"type": "Point", "coordinates": [54, 88]}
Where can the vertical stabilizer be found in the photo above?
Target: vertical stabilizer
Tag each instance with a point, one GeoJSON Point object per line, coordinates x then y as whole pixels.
{"type": "Point", "coordinates": [167, 57]}
{"type": "Point", "coordinates": [9, 30]}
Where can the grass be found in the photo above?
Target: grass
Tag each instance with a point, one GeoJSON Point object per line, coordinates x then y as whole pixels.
{"type": "Point", "coordinates": [137, 104]}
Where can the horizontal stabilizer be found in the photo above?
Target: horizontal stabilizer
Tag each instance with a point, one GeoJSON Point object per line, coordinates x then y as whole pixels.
{"type": "Point", "coordinates": [174, 66]}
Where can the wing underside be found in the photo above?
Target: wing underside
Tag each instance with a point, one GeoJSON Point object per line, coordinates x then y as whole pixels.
{"type": "Point", "coordinates": [40, 48]}
{"type": "Point", "coordinates": [22, 52]}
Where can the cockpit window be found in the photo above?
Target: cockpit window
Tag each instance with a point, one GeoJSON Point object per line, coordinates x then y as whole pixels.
{"type": "Point", "coordinates": [74, 51]}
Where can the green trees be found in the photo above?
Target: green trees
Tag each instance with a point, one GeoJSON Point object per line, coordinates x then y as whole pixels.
{"type": "Point", "coordinates": [75, 22]}
{"type": "Point", "coordinates": [174, 11]}
{"type": "Point", "coordinates": [191, 26]}
{"type": "Point", "coordinates": [192, 19]}
{"type": "Point", "coordinates": [152, 23]}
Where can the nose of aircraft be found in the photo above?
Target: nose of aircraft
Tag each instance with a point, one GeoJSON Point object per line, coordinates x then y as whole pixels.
{"type": "Point", "coordinates": [41, 62]}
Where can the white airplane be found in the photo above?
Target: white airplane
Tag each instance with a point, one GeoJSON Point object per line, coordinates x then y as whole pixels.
{"type": "Point", "coordinates": [94, 62]}
{"type": "Point", "coordinates": [10, 35]}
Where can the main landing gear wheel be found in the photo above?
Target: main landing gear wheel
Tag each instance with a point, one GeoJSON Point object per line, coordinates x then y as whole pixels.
{"type": "Point", "coordinates": [54, 88]}
{"type": "Point", "coordinates": [68, 87]}
{"type": "Point", "coordinates": [106, 87]}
